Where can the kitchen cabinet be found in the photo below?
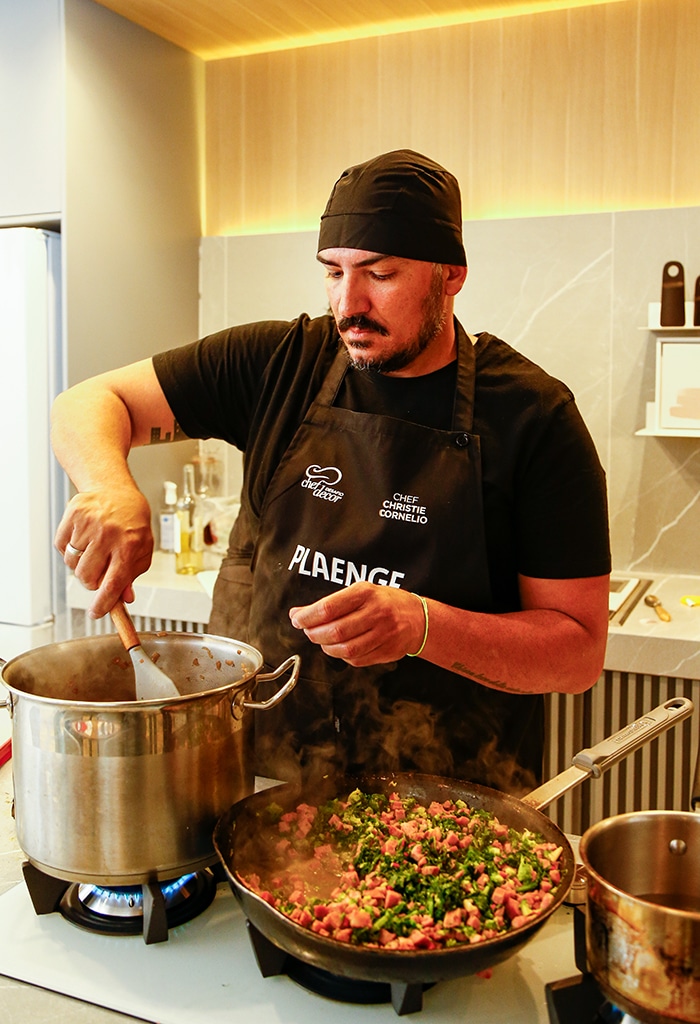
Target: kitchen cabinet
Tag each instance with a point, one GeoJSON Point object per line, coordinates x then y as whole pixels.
{"type": "Point", "coordinates": [675, 411]}
{"type": "Point", "coordinates": [31, 111]}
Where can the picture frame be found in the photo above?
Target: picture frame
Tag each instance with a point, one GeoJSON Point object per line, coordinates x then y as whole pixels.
{"type": "Point", "coordinates": [678, 384]}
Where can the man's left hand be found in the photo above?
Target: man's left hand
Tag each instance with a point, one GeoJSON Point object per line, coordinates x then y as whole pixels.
{"type": "Point", "coordinates": [364, 624]}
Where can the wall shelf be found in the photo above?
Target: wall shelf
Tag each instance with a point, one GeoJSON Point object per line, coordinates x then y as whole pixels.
{"type": "Point", "coordinates": [659, 432]}
{"type": "Point", "coordinates": [677, 378]}
{"type": "Point", "coordinates": [654, 322]}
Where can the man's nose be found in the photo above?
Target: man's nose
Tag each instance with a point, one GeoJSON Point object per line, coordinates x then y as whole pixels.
{"type": "Point", "coordinates": [352, 297]}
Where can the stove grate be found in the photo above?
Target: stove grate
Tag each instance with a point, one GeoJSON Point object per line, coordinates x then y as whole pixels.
{"type": "Point", "coordinates": [404, 997]}
{"type": "Point", "coordinates": [150, 909]}
{"type": "Point", "coordinates": [578, 1000]}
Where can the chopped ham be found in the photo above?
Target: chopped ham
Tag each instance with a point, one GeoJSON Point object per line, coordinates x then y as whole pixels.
{"type": "Point", "coordinates": [394, 875]}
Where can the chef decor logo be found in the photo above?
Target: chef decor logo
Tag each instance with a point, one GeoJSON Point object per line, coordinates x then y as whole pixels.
{"type": "Point", "coordinates": [322, 482]}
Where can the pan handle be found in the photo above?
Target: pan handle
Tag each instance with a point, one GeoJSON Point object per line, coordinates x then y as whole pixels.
{"type": "Point", "coordinates": [593, 761]}
{"type": "Point", "coordinates": [293, 662]}
{"type": "Point", "coordinates": [608, 752]}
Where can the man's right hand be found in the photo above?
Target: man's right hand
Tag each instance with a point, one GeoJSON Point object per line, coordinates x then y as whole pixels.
{"type": "Point", "coordinates": [105, 535]}
{"type": "Point", "coordinates": [105, 538]}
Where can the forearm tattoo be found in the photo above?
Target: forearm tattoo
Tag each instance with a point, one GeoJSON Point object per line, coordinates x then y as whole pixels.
{"type": "Point", "coordinates": [157, 436]}
{"type": "Point", "coordinates": [478, 677]}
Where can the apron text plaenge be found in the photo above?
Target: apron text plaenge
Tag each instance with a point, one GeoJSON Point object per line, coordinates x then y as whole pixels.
{"type": "Point", "coordinates": [340, 570]}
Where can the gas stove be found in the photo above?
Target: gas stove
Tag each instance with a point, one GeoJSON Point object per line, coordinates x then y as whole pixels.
{"type": "Point", "coordinates": [207, 970]}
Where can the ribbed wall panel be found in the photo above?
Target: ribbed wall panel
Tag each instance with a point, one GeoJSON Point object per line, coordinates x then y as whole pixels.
{"type": "Point", "coordinates": [80, 624]}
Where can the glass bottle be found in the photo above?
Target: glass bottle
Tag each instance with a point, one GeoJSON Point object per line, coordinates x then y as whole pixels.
{"type": "Point", "coordinates": [167, 518]}
{"type": "Point", "coordinates": [189, 557]}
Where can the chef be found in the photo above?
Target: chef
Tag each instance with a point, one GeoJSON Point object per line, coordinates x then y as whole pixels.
{"type": "Point", "coordinates": [423, 514]}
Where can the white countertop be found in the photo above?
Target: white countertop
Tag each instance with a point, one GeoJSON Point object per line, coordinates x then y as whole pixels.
{"type": "Point", "coordinates": [646, 645]}
{"type": "Point", "coordinates": [161, 592]}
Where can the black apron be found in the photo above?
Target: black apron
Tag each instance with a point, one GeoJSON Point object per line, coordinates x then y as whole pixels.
{"type": "Point", "coordinates": [365, 496]}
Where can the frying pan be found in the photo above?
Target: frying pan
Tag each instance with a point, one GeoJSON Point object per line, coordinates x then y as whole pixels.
{"type": "Point", "coordinates": [241, 840]}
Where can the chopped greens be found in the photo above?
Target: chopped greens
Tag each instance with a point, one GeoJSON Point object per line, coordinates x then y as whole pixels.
{"type": "Point", "coordinates": [386, 871]}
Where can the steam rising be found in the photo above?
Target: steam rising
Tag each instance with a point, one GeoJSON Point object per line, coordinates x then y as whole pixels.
{"type": "Point", "coordinates": [373, 735]}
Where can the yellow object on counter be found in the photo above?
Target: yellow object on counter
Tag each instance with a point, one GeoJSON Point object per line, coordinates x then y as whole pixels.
{"type": "Point", "coordinates": [691, 600]}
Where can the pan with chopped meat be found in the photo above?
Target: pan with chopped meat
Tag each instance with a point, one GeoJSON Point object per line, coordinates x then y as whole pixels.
{"type": "Point", "coordinates": [409, 878]}
{"type": "Point", "coordinates": [395, 878]}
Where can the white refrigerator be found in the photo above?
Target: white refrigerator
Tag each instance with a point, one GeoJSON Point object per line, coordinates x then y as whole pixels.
{"type": "Point", "coordinates": [33, 489]}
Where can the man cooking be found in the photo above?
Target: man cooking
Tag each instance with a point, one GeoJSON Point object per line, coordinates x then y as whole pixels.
{"type": "Point", "coordinates": [423, 514]}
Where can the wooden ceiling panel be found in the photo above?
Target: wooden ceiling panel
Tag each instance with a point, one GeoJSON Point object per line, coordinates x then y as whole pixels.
{"type": "Point", "coordinates": [214, 29]}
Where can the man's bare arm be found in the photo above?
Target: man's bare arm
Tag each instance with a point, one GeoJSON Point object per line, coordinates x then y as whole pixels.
{"type": "Point", "coordinates": [95, 424]}
{"type": "Point", "coordinates": [556, 643]}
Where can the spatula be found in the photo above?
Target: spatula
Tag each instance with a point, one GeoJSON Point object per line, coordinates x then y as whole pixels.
{"type": "Point", "coordinates": [151, 682]}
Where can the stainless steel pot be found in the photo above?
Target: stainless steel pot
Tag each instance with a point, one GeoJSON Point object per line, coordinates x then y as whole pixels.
{"type": "Point", "coordinates": [643, 913]}
{"type": "Point", "coordinates": [117, 791]}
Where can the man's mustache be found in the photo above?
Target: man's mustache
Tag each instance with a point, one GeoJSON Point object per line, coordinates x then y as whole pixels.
{"type": "Point", "coordinates": [363, 322]}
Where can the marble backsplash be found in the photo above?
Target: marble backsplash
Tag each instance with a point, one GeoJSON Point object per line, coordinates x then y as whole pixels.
{"type": "Point", "coordinates": [570, 292]}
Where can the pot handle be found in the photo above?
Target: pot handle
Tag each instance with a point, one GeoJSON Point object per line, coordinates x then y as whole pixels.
{"type": "Point", "coordinates": [7, 702]}
{"type": "Point", "coordinates": [595, 760]}
{"type": "Point", "coordinates": [293, 662]}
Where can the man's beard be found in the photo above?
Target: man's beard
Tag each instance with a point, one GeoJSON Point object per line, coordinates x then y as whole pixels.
{"type": "Point", "coordinates": [433, 321]}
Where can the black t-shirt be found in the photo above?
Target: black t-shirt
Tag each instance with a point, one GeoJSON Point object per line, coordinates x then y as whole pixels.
{"type": "Point", "coordinates": [544, 494]}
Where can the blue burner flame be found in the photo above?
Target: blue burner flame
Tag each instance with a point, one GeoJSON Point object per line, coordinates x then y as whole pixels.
{"type": "Point", "coordinates": [128, 899]}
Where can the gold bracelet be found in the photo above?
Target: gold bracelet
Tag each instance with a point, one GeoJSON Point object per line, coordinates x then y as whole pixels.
{"type": "Point", "coordinates": [425, 633]}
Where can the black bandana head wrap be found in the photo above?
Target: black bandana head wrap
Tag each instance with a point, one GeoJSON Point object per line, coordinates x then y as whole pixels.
{"type": "Point", "coordinates": [398, 204]}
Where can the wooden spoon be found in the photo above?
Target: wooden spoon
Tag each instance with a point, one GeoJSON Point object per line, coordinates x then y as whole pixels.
{"type": "Point", "coordinates": [151, 682]}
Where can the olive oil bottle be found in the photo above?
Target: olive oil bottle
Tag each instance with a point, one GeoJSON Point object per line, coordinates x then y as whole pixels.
{"type": "Point", "coordinates": [189, 538]}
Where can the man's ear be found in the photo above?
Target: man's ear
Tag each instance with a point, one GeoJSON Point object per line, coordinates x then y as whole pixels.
{"type": "Point", "coordinates": [454, 278]}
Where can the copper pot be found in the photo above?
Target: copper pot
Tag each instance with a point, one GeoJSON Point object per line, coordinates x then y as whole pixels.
{"type": "Point", "coordinates": [643, 913]}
